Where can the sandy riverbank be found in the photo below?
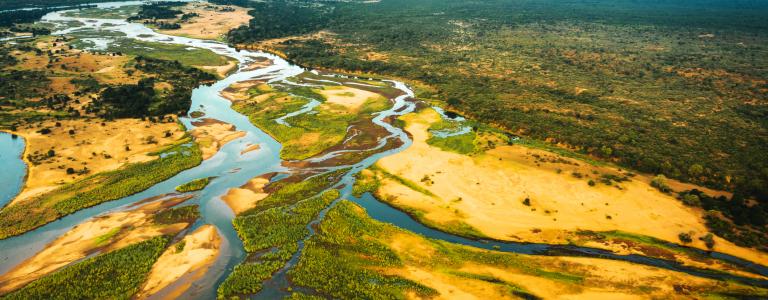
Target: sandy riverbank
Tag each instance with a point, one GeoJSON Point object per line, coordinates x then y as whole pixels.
{"type": "Point", "coordinates": [212, 134]}
{"type": "Point", "coordinates": [92, 146]}
{"type": "Point", "coordinates": [193, 255]}
{"type": "Point", "coordinates": [487, 192]}
{"type": "Point", "coordinates": [101, 234]}
{"type": "Point", "coordinates": [545, 277]}
{"type": "Point", "coordinates": [245, 197]}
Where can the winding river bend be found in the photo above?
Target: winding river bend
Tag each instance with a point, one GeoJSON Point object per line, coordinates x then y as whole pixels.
{"type": "Point", "coordinates": [234, 169]}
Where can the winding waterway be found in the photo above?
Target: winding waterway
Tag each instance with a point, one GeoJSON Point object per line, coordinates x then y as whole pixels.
{"type": "Point", "coordinates": [233, 169]}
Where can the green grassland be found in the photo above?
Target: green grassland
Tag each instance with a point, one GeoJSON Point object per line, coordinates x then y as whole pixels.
{"type": "Point", "coordinates": [120, 13]}
{"type": "Point", "coordinates": [184, 54]}
{"type": "Point", "coordinates": [271, 231]}
{"type": "Point", "coordinates": [102, 187]}
{"type": "Point", "coordinates": [194, 185]}
{"type": "Point", "coordinates": [308, 134]}
{"type": "Point", "coordinates": [115, 275]}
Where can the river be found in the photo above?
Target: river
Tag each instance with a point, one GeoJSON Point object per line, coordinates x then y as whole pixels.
{"type": "Point", "coordinates": [233, 170]}
{"type": "Point", "coordinates": [13, 168]}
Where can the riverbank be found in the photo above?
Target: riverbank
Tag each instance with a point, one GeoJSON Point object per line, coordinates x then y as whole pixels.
{"type": "Point", "coordinates": [74, 147]}
{"type": "Point", "coordinates": [98, 236]}
{"type": "Point", "coordinates": [17, 170]}
{"type": "Point", "coordinates": [525, 187]}
{"type": "Point", "coordinates": [189, 257]}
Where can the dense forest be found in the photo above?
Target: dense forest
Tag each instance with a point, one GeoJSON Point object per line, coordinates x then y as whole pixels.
{"type": "Point", "coordinates": [13, 4]}
{"type": "Point", "coordinates": [674, 88]}
{"type": "Point", "coordinates": [143, 99]}
{"type": "Point", "coordinates": [13, 17]}
{"type": "Point", "coordinates": [158, 10]}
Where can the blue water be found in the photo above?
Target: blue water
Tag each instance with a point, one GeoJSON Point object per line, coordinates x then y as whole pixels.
{"type": "Point", "coordinates": [13, 170]}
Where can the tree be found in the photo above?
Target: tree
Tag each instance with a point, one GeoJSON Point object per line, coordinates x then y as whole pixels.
{"type": "Point", "coordinates": [709, 240]}
{"type": "Point", "coordinates": [695, 170]}
{"type": "Point", "coordinates": [660, 182]}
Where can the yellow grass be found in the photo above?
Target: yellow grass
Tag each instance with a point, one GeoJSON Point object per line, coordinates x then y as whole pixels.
{"type": "Point", "coordinates": [198, 253]}
{"type": "Point", "coordinates": [105, 234]}
{"type": "Point", "coordinates": [77, 151]}
{"type": "Point", "coordinates": [487, 192]}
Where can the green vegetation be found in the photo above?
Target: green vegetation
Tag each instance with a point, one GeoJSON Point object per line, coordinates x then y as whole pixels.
{"type": "Point", "coordinates": [158, 10]}
{"type": "Point", "coordinates": [115, 275]}
{"type": "Point", "coordinates": [462, 143]}
{"type": "Point", "coordinates": [370, 184]}
{"type": "Point", "coordinates": [736, 219]}
{"type": "Point", "coordinates": [339, 260]}
{"type": "Point", "coordinates": [194, 185]}
{"type": "Point", "coordinates": [410, 184]}
{"type": "Point", "coordinates": [513, 288]}
{"type": "Point", "coordinates": [247, 278]}
{"type": "Point", "coordinates": [281, 225]}
{"type": "Point", "coordinates": [271, 231]}
{"type": "Point", "coordinates": [307, 134]}
{"type": "Point", "coordinates": [290, 193]}
{"type": "Point", "coordinates": [102, 187]}
{"type": "Point", "coordinates": [185, 55]}
{"type": "Point", "coordinates": [103, 239]}
{"type": "Point", "coordinates": [183, 214]}
{"type": "Point", "coordinates": [349, 257]}
{"type": "Point", "coordinates": [21, 84]}
{"type": "Point", "coordinates": [641, 83]}
{"type": "Point", "coordinates": [142, 99]}
{"type": "Point", "coordinates": [119, 13]}
{"type": "Point", "coordinates": [11, 4]}
{"type": "Point", "coordinates": [653, 247]}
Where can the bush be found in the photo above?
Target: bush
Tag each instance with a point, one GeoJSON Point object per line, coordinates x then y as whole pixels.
{"type": "Point", "coordinates": [660, 183]}
{"type": "Point", "coordinates": [115, 275]}
{"type": "Point", "coordinates": [708, 240]}
{"type": "Point", "coordinates": [685, 238]}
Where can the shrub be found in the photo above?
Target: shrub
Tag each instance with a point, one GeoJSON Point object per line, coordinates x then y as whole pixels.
{"type": "Point", "coordinates": [685, 237]}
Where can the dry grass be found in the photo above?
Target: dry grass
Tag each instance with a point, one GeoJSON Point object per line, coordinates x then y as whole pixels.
{"type": "Point", "coordinates": [76, 151]}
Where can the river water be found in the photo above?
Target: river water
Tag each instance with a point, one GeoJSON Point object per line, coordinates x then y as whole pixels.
{"type": "Point", "coordinates": [13, 168]}
{"type": "Point", "coordinates": [233, 169]}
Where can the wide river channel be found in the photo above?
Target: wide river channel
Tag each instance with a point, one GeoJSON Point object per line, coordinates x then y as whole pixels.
{"type": "Point", "coordinates": [233, 169]}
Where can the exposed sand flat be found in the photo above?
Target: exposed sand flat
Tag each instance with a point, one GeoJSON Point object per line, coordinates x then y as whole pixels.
{"type": "Point", "coordinates": [221, 71]}
{"type": "Point", "coordinates": [487, 192]}
{"type": "Point", "coordinates": [199, 251]}
{"type": "Point", "coordinates": [250, 148]}
{"type": "Point", "coordinates": [212, 134]}
{"type": "Point", "coordinates": [99, 235]}
{"type": "Point", "coordinates": [350, 98]}
{"type": "Point", "coordinates": [245, 197]}
{"type": "Point", "coordinates": [213, 22]}
{"type": "Point", "coordinates": [602, 279]}
{"type": "Point", "coordinates": [93, 146]}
